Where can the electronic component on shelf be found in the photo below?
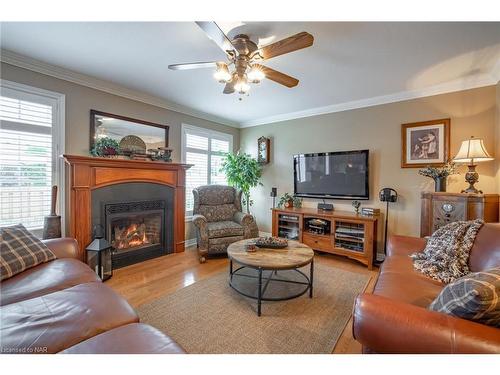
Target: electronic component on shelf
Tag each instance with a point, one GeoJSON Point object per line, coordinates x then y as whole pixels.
{"type": "Point", "coordinates": [325, 206]}
{"type": "Point", "coordinates": [317, 226]}
{"type": "Point", "coordinates": [370, 211]}
{"type": "Point", "coordinates": [289, 218]}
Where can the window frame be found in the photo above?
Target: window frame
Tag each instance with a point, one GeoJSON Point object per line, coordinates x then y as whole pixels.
{"type": "Point", "coordinates": [57, 101]}
{"type": "Point", "coordinates": [210, 134]}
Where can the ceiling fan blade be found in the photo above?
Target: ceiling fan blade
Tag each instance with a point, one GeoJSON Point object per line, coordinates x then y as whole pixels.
{"type": "Point", "coordinates": [229, 88]}
{"type": "Point", "coordinates": [217, 35]}
{"type": "Point", "coordinates": [277, 77]}
{"type": "Point", "coordinates": [195, 65]}
{"type": "Point", "coordinates": [287, 45]}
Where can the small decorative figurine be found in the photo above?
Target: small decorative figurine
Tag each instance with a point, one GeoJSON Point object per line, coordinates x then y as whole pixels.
{"type": "Point", "coordinates": [356, 205]}
{"type": "Point", "coordinates": [161, 153]}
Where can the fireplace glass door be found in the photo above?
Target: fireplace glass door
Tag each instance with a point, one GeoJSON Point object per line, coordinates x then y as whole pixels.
{"type": "Point", "coordinates": [135, 231]}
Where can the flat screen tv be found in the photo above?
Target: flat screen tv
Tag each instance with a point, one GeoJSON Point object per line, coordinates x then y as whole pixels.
{"type": "Point", "coordinates": [332, 175]}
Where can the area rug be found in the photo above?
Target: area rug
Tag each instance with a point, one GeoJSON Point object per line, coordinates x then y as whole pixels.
{"type": "Point", "coordinates": [210, 317]}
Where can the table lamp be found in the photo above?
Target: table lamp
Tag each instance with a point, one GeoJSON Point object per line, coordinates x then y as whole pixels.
{"type": "Point", "coordinates": [472, 151]}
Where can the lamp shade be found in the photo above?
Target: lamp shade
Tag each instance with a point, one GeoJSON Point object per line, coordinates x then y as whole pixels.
{"type": "Point", "coordinates": [472, 150]}
{"type": "Point", "coordinates": [222, 73]}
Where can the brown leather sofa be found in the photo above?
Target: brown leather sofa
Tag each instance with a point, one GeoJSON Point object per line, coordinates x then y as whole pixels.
{"type": "Point", "coordinates": [62, 306]}
{"type": "Point", "coordinates": [395, 318]}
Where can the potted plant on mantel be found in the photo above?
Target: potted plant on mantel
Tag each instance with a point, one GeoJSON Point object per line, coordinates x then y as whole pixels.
{"type": "Point", "coordinates": [439, 174]}
{"type": "Point", "coordinates": [243, 172]}
{"type": "Point", "coordinates": [105, 147]}
{"type": "Point", "coordinates": [289, 201]}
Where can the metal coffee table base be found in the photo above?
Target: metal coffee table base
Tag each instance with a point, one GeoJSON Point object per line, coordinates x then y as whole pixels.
{"type": "Point", "coordinates": [263, 282]}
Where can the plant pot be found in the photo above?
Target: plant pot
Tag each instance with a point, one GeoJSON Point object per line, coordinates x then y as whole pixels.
{"type": "Point", "coordinates": [440, 184]}
{"type": "Point", "coordinates": [289, 204]}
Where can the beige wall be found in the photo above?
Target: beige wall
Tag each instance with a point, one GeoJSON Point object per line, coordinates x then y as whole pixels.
{"type": "Point", "coordinates": [378, 129]}
{"type": "Point", "coordinates": [81, 99]}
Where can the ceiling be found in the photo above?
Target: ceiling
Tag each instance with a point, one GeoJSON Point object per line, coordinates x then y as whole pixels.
{"type": "Point", "coordinates": [350, 64]}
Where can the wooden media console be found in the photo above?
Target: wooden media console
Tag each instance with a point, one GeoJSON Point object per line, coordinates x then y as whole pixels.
{"type": "Point", "coordinates": [336, 232]}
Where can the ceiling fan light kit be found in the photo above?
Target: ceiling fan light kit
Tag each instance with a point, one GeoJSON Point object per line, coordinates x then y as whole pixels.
{"type": "Point", "coordinates": [255, 75]}
{"type": "Point", "coordinates": [222, 74]}
{"type": "Point", "coordinates": [241, 85]}
{"type": "Point", "coordinates": [243, 55]}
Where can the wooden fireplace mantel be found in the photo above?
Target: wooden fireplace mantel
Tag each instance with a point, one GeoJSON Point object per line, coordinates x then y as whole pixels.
{"type": "Point", "coordinates": [85, 173]}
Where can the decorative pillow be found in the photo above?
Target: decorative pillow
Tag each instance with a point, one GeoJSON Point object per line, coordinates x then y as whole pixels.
{"type": "Point", "coordinates": [474, 297]}
{"type": "Point", "coordinates": [20, 250]}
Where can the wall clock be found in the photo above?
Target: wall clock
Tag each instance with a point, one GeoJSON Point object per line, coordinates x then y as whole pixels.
{"type": "Point", "coordinates": [263, 150]}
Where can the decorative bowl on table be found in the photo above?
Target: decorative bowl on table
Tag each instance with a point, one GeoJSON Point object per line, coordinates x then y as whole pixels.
{"type": "Point", "coordinates": [271, 242]}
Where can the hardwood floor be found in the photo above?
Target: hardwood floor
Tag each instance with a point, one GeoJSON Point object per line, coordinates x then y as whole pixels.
{"type": "Point", "coordinates": [147, 281]}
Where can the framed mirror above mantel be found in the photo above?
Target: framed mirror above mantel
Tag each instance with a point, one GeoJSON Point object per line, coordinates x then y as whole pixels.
{"type": "Point", "coordinates": [117, 127]}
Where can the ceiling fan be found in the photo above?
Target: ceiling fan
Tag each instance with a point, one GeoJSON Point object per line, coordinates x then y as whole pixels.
{"type": "Point", "coordinates": [244, 56]}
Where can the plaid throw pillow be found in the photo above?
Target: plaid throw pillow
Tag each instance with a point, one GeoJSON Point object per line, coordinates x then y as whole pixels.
{"type": "Point", "coordinates": [20, 250]}
{"type": "Point", "coordinates": [474, 297]}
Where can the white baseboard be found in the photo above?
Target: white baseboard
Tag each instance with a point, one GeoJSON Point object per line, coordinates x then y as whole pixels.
{"type": "Point", "coordinates": [190, 242]}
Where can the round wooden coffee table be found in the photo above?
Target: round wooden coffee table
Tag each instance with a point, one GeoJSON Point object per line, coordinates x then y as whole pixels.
{"type": "Point", "coordinates": [266, 263]}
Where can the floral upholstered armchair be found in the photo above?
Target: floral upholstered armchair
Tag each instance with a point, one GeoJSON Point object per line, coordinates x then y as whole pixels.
{"type": "Point", "coordinates": [218, 219]}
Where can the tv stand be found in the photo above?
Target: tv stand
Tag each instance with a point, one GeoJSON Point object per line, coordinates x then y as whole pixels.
{"type": "Point", "coordinates": [335, 232]}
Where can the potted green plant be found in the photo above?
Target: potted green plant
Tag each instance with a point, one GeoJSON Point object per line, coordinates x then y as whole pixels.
{"type": "Point", "coordinates": [289, 201]}
{"type": "Point", "coordinates": [439, 174]}
{"type": "Point", "coordinates": [243, 172]}
{"type": "Point", "coordinates": [106, 147]}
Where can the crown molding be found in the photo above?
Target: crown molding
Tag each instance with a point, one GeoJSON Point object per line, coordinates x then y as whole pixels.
{"type": "Point", "coordinates": [38, 66]}
{"type": "Point", "coordinates": [470, 82]}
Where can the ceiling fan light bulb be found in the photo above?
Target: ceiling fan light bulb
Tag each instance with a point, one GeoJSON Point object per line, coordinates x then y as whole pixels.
{"type": "Point", "coordinates": [222, 74]}
{"type": "Point", "coordinates": [242, 87]}
{"type": "Point", "coordinates": [255, 75]}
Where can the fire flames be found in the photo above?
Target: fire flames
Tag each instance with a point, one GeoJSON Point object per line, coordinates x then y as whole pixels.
{"type": "Point", "coordinates": [131, 236]}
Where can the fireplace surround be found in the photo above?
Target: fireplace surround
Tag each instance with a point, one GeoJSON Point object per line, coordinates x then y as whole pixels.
{"type": "Point", "coordinates": [99, 184]}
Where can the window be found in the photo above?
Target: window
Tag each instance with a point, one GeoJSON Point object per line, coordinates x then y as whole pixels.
{"type": "Point", "coordinates": [30, 143]}
{"type": "Point", "coordinates": [205, 149]}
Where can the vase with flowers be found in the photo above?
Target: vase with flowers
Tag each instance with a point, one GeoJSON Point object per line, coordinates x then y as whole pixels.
{"type": "Point", "coordinates": [439, 174]}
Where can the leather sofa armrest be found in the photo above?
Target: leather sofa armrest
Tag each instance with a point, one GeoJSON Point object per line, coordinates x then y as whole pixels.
{"type": "Point", "coordinates": [404, 245]}
{"type": "Point", "coordinates": [63, 247]}
{"type": "Point", "coordinates": [387, 326]}
{"type": "Point", "coordinates": [243, 219]}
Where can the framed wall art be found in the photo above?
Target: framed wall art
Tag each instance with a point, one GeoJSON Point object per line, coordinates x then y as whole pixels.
{"type": "Point", "coordinates": [425, 143]}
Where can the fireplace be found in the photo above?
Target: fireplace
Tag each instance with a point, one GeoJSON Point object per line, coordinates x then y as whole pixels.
{"type": "Point", "coordinates": [137, 229]}
{"type": "Point", "coordinates": [88, 177]}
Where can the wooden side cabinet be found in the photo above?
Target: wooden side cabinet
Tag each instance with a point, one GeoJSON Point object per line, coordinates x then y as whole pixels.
{"type": "Point", "coordinates": [335, 232]}
{"type": "Point", "coordinates": [439, 209]}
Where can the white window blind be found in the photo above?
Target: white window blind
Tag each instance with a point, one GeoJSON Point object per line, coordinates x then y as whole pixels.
{"type": "Point", "coordinates": [26, 161]}
{"type": "Point", "coordinates": [204, 149]}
